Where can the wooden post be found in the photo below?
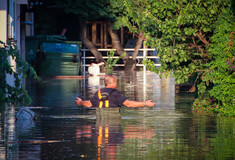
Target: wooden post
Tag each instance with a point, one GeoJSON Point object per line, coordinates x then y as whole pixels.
{"type": "Point", "coordinates": [105, 35]}
{"type": "Point", "coordinates": [101, 35]}
{"type": "Point", "coordinates": [122, 37]}
{"type": "Point", "coordinates": [94, 33]}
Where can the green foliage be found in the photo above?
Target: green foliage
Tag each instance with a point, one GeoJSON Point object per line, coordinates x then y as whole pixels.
{"type": "Point", "coordinates": [218, 75]}
{"type": "Point", "coordinates": [119, 11]}
{"type": "Point", "coordinates": [221, 69]}
{"type": "Point", "coordinates": [180, 30]}
{"type": "Point", "coordinates": [135, 17]}
{"type": "Point", "coordinates": [195, 40]}
{"type": "Point", "coordinates": [93, 10]}
{"type": "Point", "coordinates": [16, 93]}
{"type": "Point", "coordinates": [88, 9]}
{"type": "Point", "coordinates": [150, 65]}
{"type": "Point", "coordinates": [111, 61]}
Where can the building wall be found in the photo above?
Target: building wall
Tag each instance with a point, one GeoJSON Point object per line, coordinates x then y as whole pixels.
{"type": "Point", "coordinates": [4, 35]}
{"type": "Point", "coordinates": [3, 20]}
{"type": "Point", "coordinates": [10, 29]}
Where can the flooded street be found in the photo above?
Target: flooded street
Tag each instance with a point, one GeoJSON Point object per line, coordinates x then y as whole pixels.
{"type": "Point", "coordinates": [64, 130]}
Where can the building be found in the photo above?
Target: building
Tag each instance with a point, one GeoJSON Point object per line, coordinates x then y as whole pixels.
{"type": "Point", "coordinates": [13, 23]}
{"type": "Point", "coordinates": [13, 27]}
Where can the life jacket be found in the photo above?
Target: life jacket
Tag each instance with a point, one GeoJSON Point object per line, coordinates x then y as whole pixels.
{"type": "Point", "coordinates": [104, 98]}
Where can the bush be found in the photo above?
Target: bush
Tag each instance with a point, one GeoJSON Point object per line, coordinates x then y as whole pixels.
{"type": "Point", "coordinates": [219, 74]}
{"type": "Point", "coordinates": [205, 106]}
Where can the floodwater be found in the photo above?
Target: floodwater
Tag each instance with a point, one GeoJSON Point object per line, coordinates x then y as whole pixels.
{"type": "Point", "coordinates": [64, 130]}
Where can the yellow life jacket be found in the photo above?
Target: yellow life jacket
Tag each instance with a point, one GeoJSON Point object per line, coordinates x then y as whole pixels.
{"type": "Point", "coordinates": [103, 99]}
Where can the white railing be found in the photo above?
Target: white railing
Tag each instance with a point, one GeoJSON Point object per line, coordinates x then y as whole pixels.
{"type": "Point", "coordinates": [145, 55]}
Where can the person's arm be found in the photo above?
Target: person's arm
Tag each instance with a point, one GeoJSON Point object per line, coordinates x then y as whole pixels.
{"type": "Point", "coordinates": [86, 103]}
{"type": "Point", "coordinates": [129, 103]}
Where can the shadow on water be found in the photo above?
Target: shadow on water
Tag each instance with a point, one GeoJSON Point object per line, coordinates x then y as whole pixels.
{"type": "Point", "coordinates": [64, 130]}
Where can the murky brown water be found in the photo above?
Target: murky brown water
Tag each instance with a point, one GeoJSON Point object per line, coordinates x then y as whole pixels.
{"type": "Point", "coordinates": [64, 130]}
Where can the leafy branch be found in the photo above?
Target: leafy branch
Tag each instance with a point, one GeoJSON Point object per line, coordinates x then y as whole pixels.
{"type": "Point", "coordinates": [112, 61]}
{"type": "Point", "coordinates": [15, 93]}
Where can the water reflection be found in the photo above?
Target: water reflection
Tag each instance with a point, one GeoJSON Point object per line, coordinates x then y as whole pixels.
{"type": "Point", "coordinates": [66, 131]}
{"type": "Point", "coordinates": [109, 138]}
{"type": "Point", "coordinates": [24, 127]}
{"type": "Point", "coordinates": [167, 92]}
{"type": "Point", "coordinates": [94, 84]}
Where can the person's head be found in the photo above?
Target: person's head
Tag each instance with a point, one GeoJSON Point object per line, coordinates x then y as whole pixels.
{"type": "Point", "coordinates": [110, 81]}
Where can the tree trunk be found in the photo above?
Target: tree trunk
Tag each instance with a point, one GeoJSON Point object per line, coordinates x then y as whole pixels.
{"type": "Point", "coordinates": [116, 43]}
{"type": "Point", "coordinates": [138, 45]}
{"type": "Point", "coordinates": [132, 62]}
{"type": "Point", "coordinates": [88, 43]}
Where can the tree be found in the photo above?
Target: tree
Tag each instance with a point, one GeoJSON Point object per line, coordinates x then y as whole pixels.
{"type": "Point", "coordinates": [219, 73]}
{"type": "Point", "coordinates": [88, 43]}
{"type": "Point", "coordinates": [181, 30]}
{"type": "Point", "coordinates": [117, 44]}
{"type": "Point", "coordinates": [123, 19]}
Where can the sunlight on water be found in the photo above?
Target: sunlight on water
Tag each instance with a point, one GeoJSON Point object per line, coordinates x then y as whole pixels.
{"type": "Point", "coordinates": [64, 130]}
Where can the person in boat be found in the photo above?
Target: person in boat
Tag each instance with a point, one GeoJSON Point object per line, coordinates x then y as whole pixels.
{"type": "Point", "coordinates": [110, 99]}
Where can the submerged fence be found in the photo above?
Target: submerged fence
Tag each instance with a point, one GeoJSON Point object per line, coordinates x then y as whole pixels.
{"type": "Point", "coordinates": [148, 53]}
